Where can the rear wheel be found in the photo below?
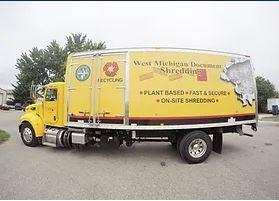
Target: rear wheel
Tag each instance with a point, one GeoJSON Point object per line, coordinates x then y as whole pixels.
{"type": "Point", "coordinates": [195, 147]}
{"type": "Point", "coordinates": [28, 135]}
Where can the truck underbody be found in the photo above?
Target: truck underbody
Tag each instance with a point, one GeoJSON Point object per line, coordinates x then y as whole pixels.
{"type": "Point", "coordinates": [72, 137]}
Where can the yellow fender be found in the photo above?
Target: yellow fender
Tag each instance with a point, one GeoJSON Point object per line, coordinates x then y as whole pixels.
{"type": "Point", "coordinates": [35, 121]}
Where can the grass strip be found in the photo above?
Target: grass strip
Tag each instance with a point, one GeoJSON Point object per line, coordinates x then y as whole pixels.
{"type": "Point", "coordinates": [4, 136]}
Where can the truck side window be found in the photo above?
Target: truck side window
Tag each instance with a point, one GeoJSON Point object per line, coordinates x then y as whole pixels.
{"type": "Point", "coordinates": [51, 95]}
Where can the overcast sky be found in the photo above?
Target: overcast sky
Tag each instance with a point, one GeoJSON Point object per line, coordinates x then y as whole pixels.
{"type": "Point", "coordinates": [250, 28]}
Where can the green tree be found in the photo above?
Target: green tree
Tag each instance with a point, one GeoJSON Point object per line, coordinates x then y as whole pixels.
{"type": "Point", "coordinates": [55, 58]}
{"type": "Point", "coordinates": [265, 90]}
{"type": "Point", "coordinates": [79, 43]}
{"type": "Point", "coordinates": [31, 71]}
{"type": "Point", "coordinates": [41, 66]}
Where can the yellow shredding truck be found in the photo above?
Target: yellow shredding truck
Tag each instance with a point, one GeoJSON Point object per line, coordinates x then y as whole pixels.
{"type": "Point", "coordinates": [186, 97]}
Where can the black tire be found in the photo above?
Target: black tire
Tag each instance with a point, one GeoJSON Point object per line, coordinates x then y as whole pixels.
{"type": "Point", "coordinates": [28, 136]}
{"type": "Point", "coordinates": [195, 154]}
{"type": "Point", "coordinates": [179, 138]}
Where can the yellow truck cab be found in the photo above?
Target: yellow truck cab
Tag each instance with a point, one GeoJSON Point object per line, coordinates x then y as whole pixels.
{"type": "Point", "coordinates": [45, 113]}
{"type": "Point", "coordinates": [183, 96]}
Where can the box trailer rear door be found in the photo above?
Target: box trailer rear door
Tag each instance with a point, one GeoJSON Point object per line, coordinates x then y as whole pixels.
{"type": "Point", "coordinates": [111, 89]}
{"type": "Point", "coordinates": [95, 89]}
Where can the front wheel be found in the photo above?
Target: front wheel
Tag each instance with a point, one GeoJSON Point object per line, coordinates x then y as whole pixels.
{"type": "Point", "coordinates": [195, 147]}
{"type": "Point", "coordinates": [28, 135]}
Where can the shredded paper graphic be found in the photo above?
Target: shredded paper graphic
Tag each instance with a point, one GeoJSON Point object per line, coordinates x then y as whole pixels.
{"type": "Point", "coordinates": [239, 72]}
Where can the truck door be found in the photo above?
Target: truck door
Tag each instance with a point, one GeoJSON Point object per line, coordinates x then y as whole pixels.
{"type": "Point", "coordinates": [96, 88]}
{"type": "Point", "coordinates": [50, 106]}
{"type": "Point", "coordinates": [111, 89]}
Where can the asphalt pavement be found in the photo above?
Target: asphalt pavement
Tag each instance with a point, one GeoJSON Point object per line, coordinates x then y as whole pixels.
{"type": "Point", "coordinates": [248, 168]}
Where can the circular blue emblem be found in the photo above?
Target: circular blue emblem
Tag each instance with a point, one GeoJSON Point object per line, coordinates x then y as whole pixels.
{"type": "Point", "coordinates": [83, 72]}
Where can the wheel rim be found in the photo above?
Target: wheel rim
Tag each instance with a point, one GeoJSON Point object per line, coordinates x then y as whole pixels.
{"type": "Point", "coordinates": [27, 134]}
{"type": "Point", "coordinates": [197, 148]}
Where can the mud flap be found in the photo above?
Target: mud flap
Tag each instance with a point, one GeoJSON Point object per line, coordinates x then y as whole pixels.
{"type": "Point", "coordinates": [217, 142]}
{"type": "Point", "coordinates": [240, 132]}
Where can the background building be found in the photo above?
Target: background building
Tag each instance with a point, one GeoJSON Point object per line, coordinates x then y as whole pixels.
{"type": "Point", "coordinates": [6, 96]}
{"type": "Point", "coordinates": [9, 96]}
{"type": "Point", "coordinates": [272, 102]}
{"type": "Point", "coordinates": [3, 96]}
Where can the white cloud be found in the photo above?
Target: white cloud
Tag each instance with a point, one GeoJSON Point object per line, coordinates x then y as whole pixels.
{"type": "Point", "coordinates": [243, 27]}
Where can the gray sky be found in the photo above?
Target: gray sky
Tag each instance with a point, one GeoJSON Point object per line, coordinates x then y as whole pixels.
{"type": "Point", "coordinates": [250, 28]}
